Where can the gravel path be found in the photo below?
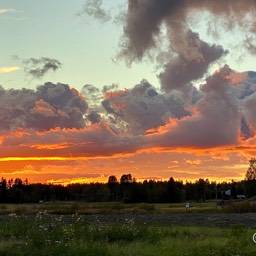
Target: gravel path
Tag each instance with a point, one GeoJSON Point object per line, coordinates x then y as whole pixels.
{"type": "Point", "coordinates": [218, 220]}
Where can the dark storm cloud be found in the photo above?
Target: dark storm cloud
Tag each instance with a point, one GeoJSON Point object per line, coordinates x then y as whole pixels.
{"type": "Point", "coordinates": [183, 57]}
{"type": "Point", "coordinates": [47, 107]}
{"type": "Point", "coordinates": [142, 107]}
{"type": "Point", "coordinates": [14, 107]}
{"type": "Point", "coordinates": [183, 69]}
{"type": "Point", "coordinates": [97, 140]}
{"type": "Point", "coordinates": [249, 110]}
{"type": "Point", "coordinates": [246, 85]}
{"type": "Point", "coordinates": [145, 18]}
{"type": "Point", "coordinates": [135, 110]}
{"type": "Point", "coordinates": [246, 131]}
{"type": "Point", "coordinates": [216, 120]}
{"type": "Point", "coordinates": [94, 117]}
{"type": "Point", "coordinates": [67, 103]}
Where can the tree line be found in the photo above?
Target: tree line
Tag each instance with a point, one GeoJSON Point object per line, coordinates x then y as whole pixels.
{"type": "Point", "coordinates": [126, 190]}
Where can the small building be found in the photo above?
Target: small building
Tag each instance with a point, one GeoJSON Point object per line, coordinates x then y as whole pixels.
{"type": "Point", "coordinates": [240, 196]}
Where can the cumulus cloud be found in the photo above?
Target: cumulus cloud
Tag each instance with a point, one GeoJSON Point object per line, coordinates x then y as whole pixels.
{"type": "Point", "coordinates": [246, 131]}
{"type": "Point", "coordinates": [94, 117]}
{"type": "Point", "coordinates": [185, 68]}
{"type": "Point", "coordinates": [186, 57]}
{"type": "Point", "coordinates": [183, 57]}
{"type": "Point", "coordinates": [249, 109]}
{"type": "Point", "coordinates": [97, 140]}
{"type": "Point", "coordinates": [49, 106]}
{"type": "Point", "coordinates": [215, 122]}
{"type": "Point", "coordinates": [135, 110]}
{"type": "Point", "coordinates": [142, 107]}
{"type": "Point", "coordinates": [93, 96]}
{"type": "Point", "coordinates": [51, 120]}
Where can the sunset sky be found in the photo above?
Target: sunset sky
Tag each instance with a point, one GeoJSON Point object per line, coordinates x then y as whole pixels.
{"type": "Point", "coordinates": [155, 88]}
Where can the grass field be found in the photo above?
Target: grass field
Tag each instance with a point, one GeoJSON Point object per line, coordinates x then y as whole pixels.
{"type": "Point", "coordinates": [43, 229]}
{"type": "Point", "coordinates": [107, 208]}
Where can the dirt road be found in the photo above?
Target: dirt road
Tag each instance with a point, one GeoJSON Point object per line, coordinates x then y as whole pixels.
{"type": "Point", "coordinates": [217, 220]}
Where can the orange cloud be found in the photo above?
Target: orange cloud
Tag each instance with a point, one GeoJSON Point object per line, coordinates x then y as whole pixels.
{"type": "Point", "coordinates": [236, 78]}
{"type": "Point", "coordinates": [43, 108]}
{"type": "Point", "coordinates": [66, 181]}
{"type": "Point", "coordinates": [152, 165]}
{"type": "Point", "coordinates": [194, 162]}
{"type": "Point", "coordinates": [54, 158]}
{"type": "Point", "coordinates": [208, 137]}
{"type": "Point", "coordinates": [114, 94]}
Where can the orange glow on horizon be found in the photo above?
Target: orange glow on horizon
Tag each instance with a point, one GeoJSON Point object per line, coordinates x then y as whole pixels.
{"type": "Point", "coordinates": [104, 180]}
{"type": "Point", "coordinates": [57, 146]}
{"type": "Point", "coordinates": [67, 160]}
{"type": "Point", "coordinates": [54, 158]}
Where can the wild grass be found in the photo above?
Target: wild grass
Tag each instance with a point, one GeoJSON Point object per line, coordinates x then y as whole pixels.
{"type": "Point", "coordinates": [239, 207]}
{"type": "Point", "coordinates": [66, 235]}
{"type": "Point", "coordinates": [67, 208]}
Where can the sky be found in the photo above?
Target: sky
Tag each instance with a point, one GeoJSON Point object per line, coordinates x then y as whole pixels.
{"type": "Point", "coordinates": [156, 88]}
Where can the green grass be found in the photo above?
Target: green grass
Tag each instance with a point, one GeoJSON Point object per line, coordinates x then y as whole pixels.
{"type": "Point", "coordinates": [43, 234]}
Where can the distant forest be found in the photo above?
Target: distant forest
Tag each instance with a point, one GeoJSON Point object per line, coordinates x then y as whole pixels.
{"type": "Point", "coordinates": [126, 190]}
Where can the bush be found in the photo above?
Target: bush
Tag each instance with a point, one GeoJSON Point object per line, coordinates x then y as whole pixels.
{"type": "Point", "coordinates": [239, 207]}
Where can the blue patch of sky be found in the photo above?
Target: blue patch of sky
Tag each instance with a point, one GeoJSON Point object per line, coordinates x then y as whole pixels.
{"type": "Point", "coordinates": [52, 29]}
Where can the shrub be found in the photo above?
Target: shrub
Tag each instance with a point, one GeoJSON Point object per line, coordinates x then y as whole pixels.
{"type": "Point", "coordinates": [239, 207]}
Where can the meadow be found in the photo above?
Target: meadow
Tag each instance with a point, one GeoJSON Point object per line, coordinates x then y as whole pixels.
{"type": "Point", "coordinates": [69, 229]}
{"type": "Point", "coordinates": [106, 208]}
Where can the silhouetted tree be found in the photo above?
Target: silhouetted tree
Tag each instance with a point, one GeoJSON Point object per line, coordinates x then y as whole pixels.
{"type": "Point", "coordinates": [10, 183]}
{"type": "Point", "coordinates": [3, 190]}
{"type": "Point", "coordinates": [250, 183]}
{"type": "Point", "coordinates": [18, 191]}
{"type": "Point", "coordinates": [112, 179]}
{"type": "Point", "coordinates": [233, 190]}
{"type": "Point", "coordinates": [125, 187]}
{"type": "Point", "coordinates": [190, 189]}
{"type": "Point", "coordinates": [113, 187]}
{"type": "Point", "coordinates": [201, 186]}
{"type": "Point", "coordinates": [18, 182]}
{"type": "Point", "coordinates": [251, 172]}
{"type": "Point", "coordinates": [126, 178]}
